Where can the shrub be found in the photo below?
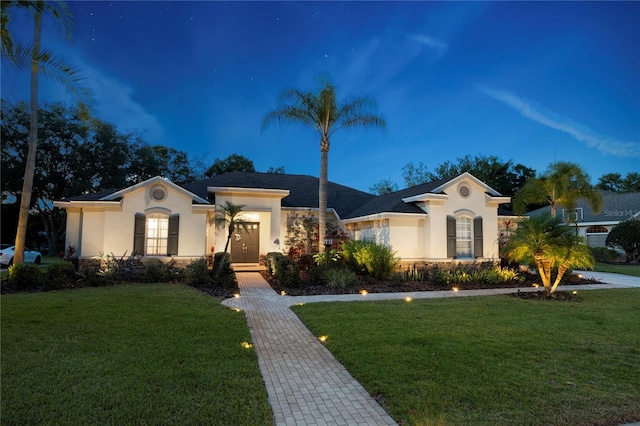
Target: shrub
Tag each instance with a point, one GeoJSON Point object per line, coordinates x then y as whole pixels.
{"type": "Point", "coordinates": [158, 272]}
{"type": "Point", "coordinates": [25, 276]}
{"type": "Point", "coordinates": [339, 277]}
{"type": "Point", "coordinates": [379, 260]}
{"type": "Point", "coordinates": [459, 275]}
{"type": "Point", "coordinates": [287, 272]}
{"type": "Point", "coordinates": [348, 252]}
{"type": "Point", "coordinates": [59, 275]}
{"type": "Point", "coordinates": [626, 236]}
{"type": "Point", "coordinates": [604, 254]}
{"type": "Point", "coordinates": [223, 275]}
{"type": "Point", "coordinates": [316, 274]}
{"type": "Point", "coordinates": [271, 260]}
{"type": "Point", "coordinates": [197, 274]}
{"type": "Point", "coordinates": [116, 267]}
{"type": "Point", "coordinates": [321, 258]}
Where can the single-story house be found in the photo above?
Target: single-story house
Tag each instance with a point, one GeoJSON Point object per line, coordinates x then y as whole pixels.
{"type": "Point", "coordinates": [452, 219]}
{"type": "Point", "coordinates": [595, 227]}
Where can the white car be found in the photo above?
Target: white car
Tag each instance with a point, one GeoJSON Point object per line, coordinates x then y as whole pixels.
{"type": "Point", "coordinates": [7, 251]}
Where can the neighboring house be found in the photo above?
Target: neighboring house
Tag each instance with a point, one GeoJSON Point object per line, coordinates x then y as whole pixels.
{"type": "Point", "coordinates": [595, 227]}
{"type": "Point", "coordinates": [434, 222]}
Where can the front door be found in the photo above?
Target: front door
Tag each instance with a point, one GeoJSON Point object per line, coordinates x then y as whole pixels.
{"type": "Point", "coordinates": [245, 244]}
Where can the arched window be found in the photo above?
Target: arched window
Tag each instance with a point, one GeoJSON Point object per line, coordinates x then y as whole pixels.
{"type": "Point", "coordinates": [597, 236]}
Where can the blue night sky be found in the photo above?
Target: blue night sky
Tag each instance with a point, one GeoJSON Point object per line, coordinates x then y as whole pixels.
{"type": "Point", "coordinates": [525, 81]}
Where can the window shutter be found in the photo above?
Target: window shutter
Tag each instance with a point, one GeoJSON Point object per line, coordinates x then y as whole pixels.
{"type": "Point", "coordinates": [138, 235]}
{"type": "Point", "coordinates": [172, 242]}
{"type": "Point", "coordinates": [477, 237]}
{"type": "Point", "coordinates": [451, 237]}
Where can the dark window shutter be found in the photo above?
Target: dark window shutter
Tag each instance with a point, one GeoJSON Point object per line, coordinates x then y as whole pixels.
{"type": "Point", "coordinates": [451, 236]}
{"type": "Point", "coordinates": [138, 234]}
{"type": "Point", "coordinates": [172, 242]}
{"type": "Point", "coordinates": [477, 237]}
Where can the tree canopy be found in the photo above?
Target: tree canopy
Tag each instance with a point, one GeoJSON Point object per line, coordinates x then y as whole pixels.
{"type": "Point", "coordinates": [614, 182]}
{"type": "Point", "coordinates": [562, 184]}
{"type": "Point", "coordinates": [233, 163]}
{"type": "Point", "coordinates": [384, 186]}
{"type": "Point", "coordinates": [626, 236]}
{"type": "Point", "coordinates": [322, 112]}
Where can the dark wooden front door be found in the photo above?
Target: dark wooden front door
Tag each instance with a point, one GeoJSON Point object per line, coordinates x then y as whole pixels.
{"type": "Point", "coordinates": [245, 244]}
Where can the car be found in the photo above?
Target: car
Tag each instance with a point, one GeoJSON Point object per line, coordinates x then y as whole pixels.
{"type": "Point", "coordinates": [7, 252]}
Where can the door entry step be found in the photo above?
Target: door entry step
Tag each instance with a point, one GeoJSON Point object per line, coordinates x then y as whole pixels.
{"type": "Point", "coordinates": [248, 267]}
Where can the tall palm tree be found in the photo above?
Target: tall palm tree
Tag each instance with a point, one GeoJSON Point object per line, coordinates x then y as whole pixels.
{"type": "Point", "coordinates": [562, 184]}
{"type": "Point", "coordinates": [549, 244]}
{"type": "Point", "coordinates": [37, 60]}
{"type": "Point", "coordinates": [230, 216]}
{"type": "Point", "coordinates": [322, 112]}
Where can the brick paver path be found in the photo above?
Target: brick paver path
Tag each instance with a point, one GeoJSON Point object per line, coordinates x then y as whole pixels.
{"type": "Point", "coordinates": [306, 385]}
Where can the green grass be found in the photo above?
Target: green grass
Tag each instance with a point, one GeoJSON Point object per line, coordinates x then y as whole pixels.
{"type": "Point", "coordinates": [492, 360]}
{"type": "Point", "coordinates": [135, 354]}
{"type": "Point", "coordinates": [618, 269]}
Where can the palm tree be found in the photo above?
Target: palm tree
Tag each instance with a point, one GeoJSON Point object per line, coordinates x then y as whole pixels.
{"type": "Point", "coordinates": [37, 60]}
{"type": "Point", "coordinates": [322, 112]}
{"type": "Point", "coordinates": [563, 184]}
{"type": "Point", "coordinates": [229, 216]}
{"type": "Point", "coordinates": [549, 244]}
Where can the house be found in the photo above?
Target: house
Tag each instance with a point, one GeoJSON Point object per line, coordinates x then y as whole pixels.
{"type": "Point", "coordinates": [595, 227]}
{"type": "Point", "coordinates": [452, 219]}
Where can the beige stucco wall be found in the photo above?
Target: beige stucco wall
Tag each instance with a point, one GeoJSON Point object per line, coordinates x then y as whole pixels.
{"type": "Point", "coordinates": [263, 209]}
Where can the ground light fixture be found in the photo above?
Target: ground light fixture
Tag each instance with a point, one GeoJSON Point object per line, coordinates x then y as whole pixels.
{"type": "Point", "coordinates": [323, 339]}
{"type": "Point", "coordinates": [408, 299]}
{"type": "Point", "coordinates": [364, 292]}
{"type": "Point", "coordinates": [283, 293]}
{"type": "Point", "coordinates": [246, 345]}
{"type": "Point", "coordinates": [236, 295]}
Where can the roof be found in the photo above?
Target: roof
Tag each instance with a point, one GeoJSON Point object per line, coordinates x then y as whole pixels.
{"type": "Point", "coordinates": [348, 203]}
{"type": "Point", "coordinates": [617, 207]}
{"type": "Point", "coordinates": [303, 189]}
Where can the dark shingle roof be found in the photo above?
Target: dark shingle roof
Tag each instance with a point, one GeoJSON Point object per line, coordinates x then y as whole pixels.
{"type": "Point", "coordinates": [392, 203]}
{"type": "Point", "coordinates": [617, 207]}
{"type": "Point", "coordinates": [95, 196]}
{"type": "Point", "coordinates": [303, 189]}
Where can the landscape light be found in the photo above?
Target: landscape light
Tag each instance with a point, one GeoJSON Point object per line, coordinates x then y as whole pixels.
{"type": "Point", "coordinates": [323, 338]}
{"type": "Point", "coordinates": [236, 295]}
{"type": "Point", "coordinates": [246, 345]}
{"type": "Point", "coordinates": [408, 299]}
{"type": "Point", "coordinates": [364, 292]}
{"type": "Point", "coordinates": [283, 293]}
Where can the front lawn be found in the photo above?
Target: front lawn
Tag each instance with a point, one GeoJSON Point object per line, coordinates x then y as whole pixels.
{"type": "Point", "coordinates": [129, 354]}
{"type": "Point", "coordinates": [626, 269]}
{"type": "Point", "coordinates": [492, 360]}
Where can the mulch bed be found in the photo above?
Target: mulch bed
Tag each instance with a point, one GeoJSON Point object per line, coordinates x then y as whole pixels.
{"type": "Point", "coordinates": [307, 288]}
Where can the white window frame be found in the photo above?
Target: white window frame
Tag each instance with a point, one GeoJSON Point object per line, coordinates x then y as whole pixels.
{"type": "Point", "coordinates": [156, 235]}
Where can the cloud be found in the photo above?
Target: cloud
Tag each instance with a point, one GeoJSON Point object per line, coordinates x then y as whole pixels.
{"type": "Point", "coordinates": [603, 143]}
{"type": "Point", "coordinates": [440, 47]}
{"type": "Point", "coordinates": [114, 103]}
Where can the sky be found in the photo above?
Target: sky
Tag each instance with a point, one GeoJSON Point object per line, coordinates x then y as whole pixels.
{"type": "Point", "coordinates": [531, 82]}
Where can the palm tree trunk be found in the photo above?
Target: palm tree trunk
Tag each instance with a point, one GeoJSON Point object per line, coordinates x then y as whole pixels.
{"type": "Point", "coordinates": [544, 269]}
{"type": "Point", "coordinates": [322, 192]}
{"type": "Point", "coordinates": [561, 270]}
{"type": "Point", "coordinates": [27, 185]}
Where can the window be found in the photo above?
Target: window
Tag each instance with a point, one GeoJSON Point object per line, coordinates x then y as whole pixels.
{"type": "Point", "coordinates": [463, 237]}
{"type": "Point", "coordinates": [157, 235]}
{"type": "Point", "coordinates": [597, 236]}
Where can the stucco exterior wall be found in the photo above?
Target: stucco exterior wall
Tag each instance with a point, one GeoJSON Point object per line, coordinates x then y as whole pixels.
{"type": "Point", "coordinates": [263, 209]}
{"type": "Point", "coordinates": [408, 237]}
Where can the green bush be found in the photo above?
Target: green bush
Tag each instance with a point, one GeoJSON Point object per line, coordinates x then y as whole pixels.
{"type": "Point", "coordinates": [379, 260]}
{"type": "Point", "coordinates": [25, 276]}
{"type": "Point", "coordinates": [223, 275]}
{"type": "Point", "coordinates": [459, 275]}
{"type": "Point", "coordinates": [339, 277]}
{"type": "Point", "coordinates": [287, 272]}
{"type": "Point", "coordinates": [158, 272]}
{"type": "Point", "coordinates": [349, 249]}
{"type": "Point", "coordinates": [316, 274]}
{"type": "Point", "coordinates": [321, 258]}
{"type": "Point", "coordinates": [197, 274]}
{"type": "Point", "coordinates": [271, 261]}
{"type": "Point", "coordinates": [604, 254]}
{"type": "Point", "coordinates": [59, 275]}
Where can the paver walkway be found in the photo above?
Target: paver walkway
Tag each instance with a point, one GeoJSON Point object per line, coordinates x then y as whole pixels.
{"type": "Point", "coordinates": [305, 384]}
